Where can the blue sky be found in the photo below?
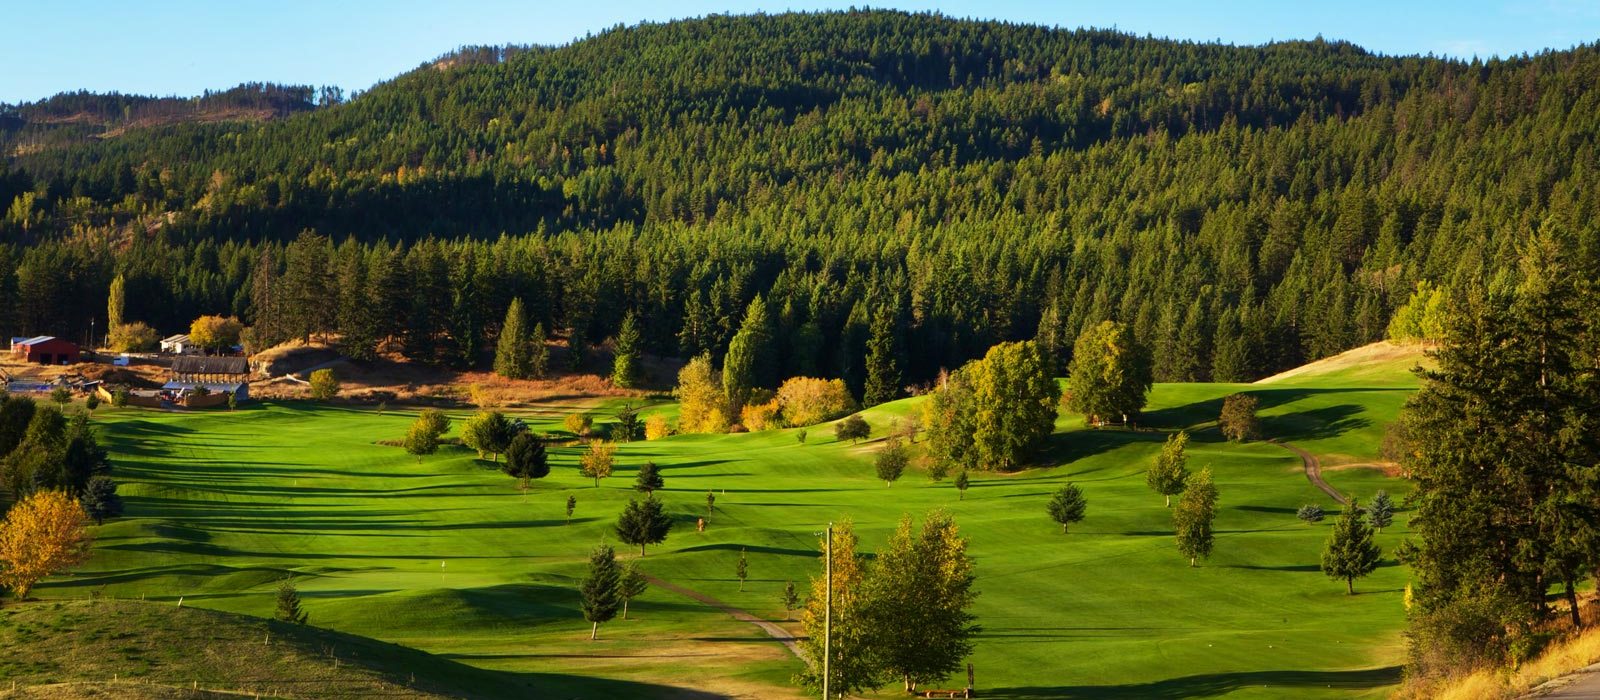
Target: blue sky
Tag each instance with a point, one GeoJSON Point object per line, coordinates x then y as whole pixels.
{"type": "Point", "coordinates": [182, 47]}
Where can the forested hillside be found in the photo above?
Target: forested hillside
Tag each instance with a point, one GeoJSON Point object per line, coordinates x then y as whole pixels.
{"type": "Point", "coordinates": [1243, 208]}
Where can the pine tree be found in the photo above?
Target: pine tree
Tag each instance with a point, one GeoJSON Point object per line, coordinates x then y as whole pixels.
{"type": "Point", "coordinates": [1381, 510]}
{"type": "Point", "coordinates": [513, 355]}
{"type": "Point", "coordinates": [100, 500]}
{"type": "Point", "coordinates": [649, 478]}
{"type": "Point", "coordinates": [749, 360]}
{"type": "Point", "coordinates": [289, 603]}
{"type": "Point", "coordinates": [631, 585]}
{"type": "Point", "coordinates": [538, 353]}
{"type": "Point", "coordinates": [572, 504]}
{"type": "Point", "coordinates": [1192, 519]}
{"type": "Point", "coordinates": [625, 368]}
{"type": "Point", "coordinates": [883, 360]}
{"type": "Point", "coordinates": [643, 522]}
{"type": "Point", "coordinates": [526, 457]}
{"type": "Point", "coordinates": [1067, 506]}
{"type": "Point", "coordinates": [1168, 474]}
{"type": "Point", "coordinates": [1350, 553]}
{"type": "Point", "coordinates": [961, 484]}
{"type": "Point", "coordinates": [601, 589]}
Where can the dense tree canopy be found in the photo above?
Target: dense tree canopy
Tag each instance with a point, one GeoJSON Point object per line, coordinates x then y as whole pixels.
{"type": "Point", "coordinates": [1241, 209]}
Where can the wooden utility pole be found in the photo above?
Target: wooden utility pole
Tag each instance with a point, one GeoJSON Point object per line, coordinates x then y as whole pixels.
{"type": "Point", "coordinates": [827, 616]}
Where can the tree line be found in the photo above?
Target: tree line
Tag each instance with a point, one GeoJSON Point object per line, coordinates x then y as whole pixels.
{"type": "Point", "coordinates": [959, 184]}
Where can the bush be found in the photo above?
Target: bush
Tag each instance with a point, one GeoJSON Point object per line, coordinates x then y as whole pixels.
{"type": "Point", "coordinates": [324, 385]}
{"type": "Point", "coordinates": [854, 428]}
{"type": "Point", "coordinates": [760, 416]}
{"type": "Point", "coordinates": [119, 397]}
{"type": "Point", "coordinates": [656, 427]}
{"type": "Point", "coordinates": [578, 424]}
{"type": "Point", "coordinates": [133, 337]}
{"type": "Point", "coordinates": [1238, 421]}
{"type": "Point", "coordinates": [1310, 513]}
{"type": "Point", "coordinates": [807, 400]}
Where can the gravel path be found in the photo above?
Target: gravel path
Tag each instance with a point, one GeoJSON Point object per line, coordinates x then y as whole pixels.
{"type": "Point", "coordinates": [1314, 471]}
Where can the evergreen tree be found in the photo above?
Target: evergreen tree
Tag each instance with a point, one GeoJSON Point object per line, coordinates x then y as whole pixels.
{"type": "Point", "coordinates": [625, 368]}
{"type": "Point", "coordinates": [748, 365]}
{"type": "Point", "coordinates": [1238, 421]}
{"type": "Point", "coordinates": [289, 603]}
{"type": "Point", "coordinates": [791, 600]}
{"type": "Point", "coordinates": [601, 589]}
{"type": "Point", "coordinates": [883, 359]}
{"type": "Point", "coordinates": [961, 484]}
{"type": "Point", "coordinates": [526, 457]}
{"type": "Point", "coordinates": [488, 432]}
{"type": "Point", "coordinates": [1067, 506]}
{"type": "Point", "coordinates": [1192, 519]}
{"type": "Point", "coordinates": [632, 584]}
{"type": "Point", "coordinates": [1381, 510]}
{"type": "Point", "coordinates": [1309, 513]}
{"type": "Point", "coordinates": [1350, 553]}
{"type": "Point", "coordinates": [1168, 474]}
{"type": "Point", "coordinates": [572, 504]}
{"type": "Point", "coordinates": [643, 522]}
{"type": "Point", "coordinates": [513, 355]}
{"type": "Point", "coordinates": [649, 478]}
{"type": "Point", "coordinates": [100, 499]}
{"type": "Point", "coordinates": [538, 353]}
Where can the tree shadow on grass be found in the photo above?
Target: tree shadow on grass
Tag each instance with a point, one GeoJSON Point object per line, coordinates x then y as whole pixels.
{"type": "Point", "coordinates": [758, 549]}
{"type": "Point", "coordinates": [1315, 424]}
{"type": "Point", "coordinates": [1208, 685]}
{"type": "Point", "coordinates": [1071, 446]}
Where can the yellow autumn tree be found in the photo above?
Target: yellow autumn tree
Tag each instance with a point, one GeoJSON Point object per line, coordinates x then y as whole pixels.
{"type": "Point", "coordinates": [215, 332]}
{"type": "Point", "coordinates": [809, 401]}
{"type": "Point", "coordinates": [42, 535]}
{"type": "Point", "coordinates": [702, 407]}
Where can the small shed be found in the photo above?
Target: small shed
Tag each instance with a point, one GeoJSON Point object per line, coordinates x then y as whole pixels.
{"type": "Point", "coordinates": [45, 350]}
{"type": "Point", "coordinates": [217, 374]}
{"type": "Point", "coordinates": [178, 345]}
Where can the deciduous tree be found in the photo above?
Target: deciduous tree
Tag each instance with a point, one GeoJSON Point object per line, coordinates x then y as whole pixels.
{"type": "Point", "coordinates": [43, 534]}
{"type": "Point", "coordinates": [1168, 474]}
{"type": "Point", "coordinates": [1238, 421]}
{"type": "Point", "coordinates": [891, 462]}
{"type": "Point", "coordinates": [597, 462]}
{"type": "Point", "coordinates": [1192, 519]}
{"type": "Point", "coordinates": [1110, 374]}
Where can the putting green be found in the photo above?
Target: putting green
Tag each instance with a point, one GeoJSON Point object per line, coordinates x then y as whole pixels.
{"type": "Point", "coordinates": [446, 555]}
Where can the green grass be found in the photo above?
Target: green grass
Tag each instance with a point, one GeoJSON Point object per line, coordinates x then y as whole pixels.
{"type": "Point", "coordinates": [222, 504]}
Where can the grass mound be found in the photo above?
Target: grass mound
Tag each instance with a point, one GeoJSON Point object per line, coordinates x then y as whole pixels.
{"type": "Point", "coordinates": [1378, 364]}
{"type": "Point", "coordinates": [136, 649]}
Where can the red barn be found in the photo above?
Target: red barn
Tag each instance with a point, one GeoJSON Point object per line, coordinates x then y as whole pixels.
{"type": "Point", "coordinates": [45, 350]}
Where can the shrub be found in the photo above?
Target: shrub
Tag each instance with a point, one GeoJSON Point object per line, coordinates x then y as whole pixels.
{"type": "Point", "coordinates": [760, 416]}
{"type": "Point", "coordinates": [656, 427]}
{"type": "Point", "coordinates": [807, 400]}
{"type": "Point", "coordinates": [324, 385]}
{"type": "Point", "coordinates": [119, 397]}
{"type": "Point", "coordinates": [578, 424]}
{"type": "Point", "coordinates": [1310, 513]}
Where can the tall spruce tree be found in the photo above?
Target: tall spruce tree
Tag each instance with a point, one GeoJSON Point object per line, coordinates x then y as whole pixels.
{"type": "Point", "coordinates": [538, 353]}
{"type": "Point", "coordinates": [513, 355]}
{"type": "Point", "coordinates": [748, 364]}
{"type": "Point", "coordinates": [1350, 552]}
{"type": "Point", "coordinates": [600, 590]}
{"type": "Point", "coordinates": [625, 366]}
{"type": "Point", "coordinates": [883, 359]}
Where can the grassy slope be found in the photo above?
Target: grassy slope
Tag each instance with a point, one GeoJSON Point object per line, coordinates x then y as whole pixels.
{"type": "Point", "coordinates": [221, 504]}
{"type": "Point", "coordinates": [134, 649]}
